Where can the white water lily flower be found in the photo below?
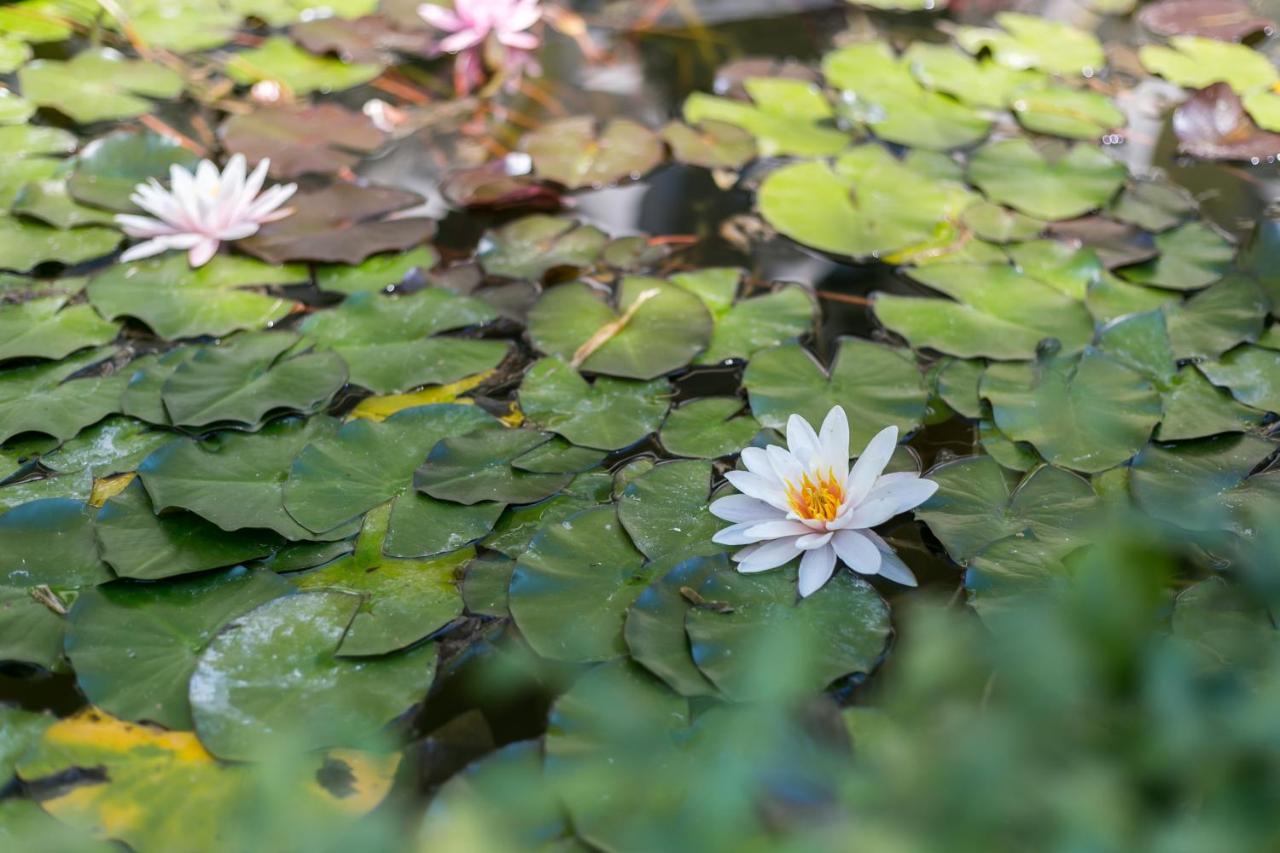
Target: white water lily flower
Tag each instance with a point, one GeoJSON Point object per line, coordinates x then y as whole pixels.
{"type": "Point", "coordinates": [806, 501]}
{"type": "Point", "coordinates": [203, 209]}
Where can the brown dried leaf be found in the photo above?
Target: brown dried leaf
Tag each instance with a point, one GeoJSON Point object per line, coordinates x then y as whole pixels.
{"type": "Point", "coordinates": [1212, 124]}
{"type": "Point", "coordinates": [321, 139]}
{"type": "Point", "coordinates": [1226, 20]}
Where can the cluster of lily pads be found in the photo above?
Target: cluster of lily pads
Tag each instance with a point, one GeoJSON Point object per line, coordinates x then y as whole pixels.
{"type": "Point", "coordinates": [284, 494]}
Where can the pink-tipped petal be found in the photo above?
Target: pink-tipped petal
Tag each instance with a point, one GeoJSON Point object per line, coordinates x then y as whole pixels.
{"type": "Point", "coordinates": [458, 42]}
{"type": "Point", "coordinates": [519, 41]}
{"type": "Point", "coordinates": [148, 249]}
{"type": "Point", "coordinates": [202, 253]}
{"type": "Point", "coordinates": [440, 17]}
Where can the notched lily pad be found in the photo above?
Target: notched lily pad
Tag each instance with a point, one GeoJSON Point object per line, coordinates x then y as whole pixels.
{"type": "Point", "coordinates": [472, 468]}
{"type": "Point", "coordinates": [711, 144]}
{"type": "Point", "coordinates": [279, 60]}
{"type": "Point", "coordinates": [97, 85]}
{"type": "Point", "coordinates": [108, 169]}
{"type": "Point", "coordinates": [786, 116]}
{"type": "Point", "coordinates": [607, 413]}
{"type": "Point", "coordinates": [1048, 183]}
{"type": "Point", "coordinates": [533, 245]}
{"type": "Point", "coordinates": [573, 152]}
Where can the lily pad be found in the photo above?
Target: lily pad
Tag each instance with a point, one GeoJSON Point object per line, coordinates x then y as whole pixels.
{"type": "Point", "coordinates": [112, 446]}
{"type": "Point", "coordinates": [281, 61]}
{"type": "Point", "coordinates": [877, 385]}
{"type": "Point", "coordinates": [45, 399]}
{"type": "Point", "coordinates": [1197, 62]}
{"type": "Point", "coordinates": [134, 646]}
{"type": "Point", "coordinates": [665, 511]}
{"type": "Point", "coordinates": [518, 525]}
{"type": "Point", "coordinates": [49, 202]}
{"type": "Point", "coordinates": [315, 139]}
{"type": "Point", "coordinates": [711, 144]}
{"type": "Point", "coordinates": [1197, 485]}
{"type": "Point", "coordinates": [586, 565]}
{"type": "Point", "coordinates": [422, 526]}
{"type": "Point", "coordinates": [1194, 408]}
{"type": "Point", "coordinates": [179, 302]}
{"type": "Point", "coordinates": [50, 543]}
{"type": "Point", "coordinates": [1086, 412]}
{"type": "Point", "coordinates": [749, 325]}
{"type": "Point", "coordinates": [786, 117]}
{"type": "Point", "coordinates": [1048, 184]}
{"type": "Point", "coordinates": [708, 428]}
{"type": "Point", "coordinates": [1064, 111]}
{"type": "Point", "coordinates": [183, 26]}
{"type": "Point", "coordinates": [1251, 373]}
{"type": "Point", "coordinates": [31, 631]}
{"type": "Point", "coordinates": [880, 92]}
{"type": "Point", "coordinates": [659, 327]}
{"type": "Point", "coordinates": [531, 246]}
{"type": "Point", "coordinates": [404, 600]}
{"type": "Point", "coordinates": [846, 625]}
{"type": "Point", "coordinates": [977, 504]}
{"type": "Point", "coordinates": [1191, 257]}
{"type": "Point", "coordinates": [49, 328]}
{"type": "Point", "coordinates": [342, 223]}
{"type": "Point", "coordinates": [980, 82]}
{"type": "Point", "coordinates": [108, 169]}
{"type": "Point", "coordinates": [606, 414]}
{"type": "Point", "coordinates": [478, 467]}
{"type": "Point", "coordinates": [275, 671]}
{"type": "Point", "coordinates": [25, 244]}
{"type": "Point", "coordinates": [1212, 124]}
{"type": "Point", "coordinates": [97, 85]}
{"type": "Point", "coordinates": [1028, 41]}
{"type": "Point", "coordinates": [1217, 318]}
{"type": "Point", "coordinates": [378, 273]}
{"type": "Point", "coordinates": [574, 153]}
{"type": "Point", "coordinates": [138, 543]}
{"type": "Point", "coordinates": [654, 629]}
{"type": "Point", "coordinates": [1223, 624]}
{"type": "Point", "coordinates": [865, 204]}
{"type": "Point", "coordinates": [366, 463]}
{"type": "Point", "coordinates": [484, 586]}
{"type": "Point", "coordinates": [1000, 225]}
{"type": "Point", "coordinates": [248, 377]}
{"type": "Point", "coordinates": [1225, 20]}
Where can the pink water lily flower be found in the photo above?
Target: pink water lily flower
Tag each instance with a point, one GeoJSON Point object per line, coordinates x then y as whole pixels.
{"type": "Point", "coordinates": [805, 501]}
{"type": "Point", "coordinates": [201, 210]}
{"type": "Point", "coordinates": [470, 22]}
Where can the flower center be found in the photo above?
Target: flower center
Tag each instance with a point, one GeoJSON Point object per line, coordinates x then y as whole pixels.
{"type": "Point", "coordinates": [816, 499]}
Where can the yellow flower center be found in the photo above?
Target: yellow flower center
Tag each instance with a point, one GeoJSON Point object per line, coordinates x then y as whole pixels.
{"type": "Point", "coordinates": [816, 500]}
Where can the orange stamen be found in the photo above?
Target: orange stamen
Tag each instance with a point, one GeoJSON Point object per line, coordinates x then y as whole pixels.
{"type": "Point", "coordinates": [816, 500]}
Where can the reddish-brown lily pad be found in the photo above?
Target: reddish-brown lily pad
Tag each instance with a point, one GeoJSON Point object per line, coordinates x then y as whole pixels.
{"type": "Point", "coordinates": [490, 186]}
{"type": "Point", "coordinates": [373, 38]}
{"type": "Point", "coordinates": [1212, 124]}
{"type": "Point", "coordinates": [320, 139]}
{"type": "Point", "coordinates": [575, 153]}
{"type": "Point", "coordinates": [1226, 20]}
{"type": "Point", "coordinates": [344, 223]}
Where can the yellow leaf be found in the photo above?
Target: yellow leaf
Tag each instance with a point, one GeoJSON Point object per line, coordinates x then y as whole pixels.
{"type": "Point", "coordinates": [108, 487]}
{"type": "Point", "coordinates": [381, 408]}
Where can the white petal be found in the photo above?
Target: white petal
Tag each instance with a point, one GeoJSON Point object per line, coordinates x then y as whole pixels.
{"type": "Point", "coordinates": [778, 528]}
{"type": "Point", "coordinates": [766, 555]}
{"type": "Point", "coordinates": [813, 540]}
{"type": "Point", "coordinates": [785, 465]}
{"type": "Point", "coordinates": [834, 438]}
{"type": "Point", "coordinates": [145, 250]}
{"type": "Point", "coordinates": [905, 494]}
{"type": "Point", "coordinates": [756, 460]}
{"type": "Point", "coordinates": [802, 441]}
{"type": "Point", "coordinates": [815, 570]}
{"type": "Point", "coordinates": [869, 513]}
{"type": "Point", "coordinates": [892, 567]}
{"type": "Point", "coordinates": [753, 485]}
{"type": "Point", "coordinates": [142, 226]}
{"type": "Point", "coordinates": [863, 474]}
{"type": "Point", "coordinates": [202, 253]}
{"type": "Point", "coordinates": [857, 552]}
{"type": "Point", "coordinates": [736, 534]}
{"type": "Point", "coordinates": [743, 508]}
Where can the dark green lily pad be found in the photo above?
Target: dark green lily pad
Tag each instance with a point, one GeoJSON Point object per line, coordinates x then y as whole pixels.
{"type": "Point", "coordinates": [112, 446]}
{"type": "Point", "coordinates": [667, 329]}
{"type": "Point", "coordinates": [708, 428]}
{"type": "Point", "coordinates": [1191, 256]}
{"type": "Point", "coordinates": [606, 414]}
{"type": "Point", "coordinates": [50, 543]}
{"type": "Point", "coordinates": [31, 632]}
{"type": "Point", "coordinates": [275, 671]}
{"type": "Point", "coordinates": [878, 386]}
{"type": "Point", "coordinates": [473, 468]}
{"type": "Point", "coordinates": [665, 511]}
{"type": "Point", "coordinates": [138, 543]}
{"type": "Point", "coordinates": [18, 730]}
{"type": "Point", "coordinates": [404, 600]}
{"type": "Point", "coordinates": [1047, 183]}
{"type": "Point", "coordinates": [654, 628]}
{"type": "Point", "coordinates": [134, 646]}
{"type": "Point", "coordinates": [1194, 408]}
{"type": "Point", "coordinates": [1251, 374]}
{"type": "Point", "coordinates": [51, 203]}
{"type": "Point", "coordinates": [49, 328]}
{"type": "Point", "coordinates": [1210, 322]}
{"type": "Point", "coordinates": [518, 525]}
{"type": "Point", "coordinates": [574, 153]}
{"type": "Point", "coordinates": [97, 85]}
{"type": "Point", "coordinates": [484, 586]}
{"type": "Point", "coordinates": [785, 116]}
{"type": "Point", "coordinates": [279, 60]}
{"type": "Point", "coordinates": [44, 399]}
{"type": "Point", "coordinates": [422, 526]}
{"type": "Point", "coordinates": [585, 565]}
{"type": "Point", "coordinates": [845, 625]}
{"type": "Point", "coordinates": [1198, 485]}
{"type": "Point", "coordinates": [531, 246]}
{"type": "Point", "coordinates": [248, 377]}
{"type": "Point", "coordinates": [109, 168]}
{"type": "Point", "coordinates": [1223, 624]}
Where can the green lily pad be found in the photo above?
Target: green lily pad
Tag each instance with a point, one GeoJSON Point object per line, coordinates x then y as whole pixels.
{"type": "Point", "coordinates": [982, 83]}
{"type": "Point", "coordinates": [654, 629]}
{"type": "Point", "coordinates": [1194, 408]}
{"type": "Point", "coordinates": [998, 312]}
{"type": "Point", "coordinates": [1028, 41]}
{"type": "Point", "coordinates": [44, 399]}
{"type": "Point", "coordinates": [484, 586]}
{"type": "Point", "coordinates": [998, 224]}
{"type": "Point", "coordinates": [607, 414]}
{"type": "Point", "coordinates": [1016, 456]}
{"type": "Point", "coordinates": [867, 203]}
{"type": "Point", "coordinates": [1007, 572]}
{"type": "Point", "coordinates": [786, 117]}
{"type": "Point", "coordinates": [141, 397]}
{"type": "Point", "coordinates": [586, 565]}
{"type": "Point", "coordinates": [279, 13]}
{"type": "Point", "coordinates": [423, 527]}
{"type": "Point", "coordinates": [31, 632]}
{"type": "Point", "coordinates": [25, 244]}
{"type": "Point", "coordinates": [179, 302]}
{"type": "Point", "coordinates": [313, 139]}
{"type": "Point", "coordinates": [235, 480]}
{"type": "Point", "coordinates": [1087, 412]}
{"type": "Point", "coordinates": [18, 730]}
{"type": "Point", "coordinates": [1048, 184]}
{"type": "Point", "coordinates": [14, 109]}
{"type": "Point", "coordinates": [518, 525]}
{"type": "Point", "coordinates": [378, 273]}
{"type": "Point", "coordinates": [1064, 111]}
{"type": "Point", "coordinates": [470, 469]}
{"type": "Point", "coordinates": [711, 144]}
{"type": "Point", "coordinates": [183, 26]}
{"type": "Point", "coordinates": [97, 85]}
{"type": "Point", "coordinates": [404, 600]}
{"type": "Point", "coordinates": [744, 328]}
{"type": "Point", "coordinates": [574, 153]}
{"type": "Point", "coordinates": [113, 446]}
{"type": "Point", "coordinates": [248, 377]}
{"type": "Point", "coordinates": [275, 670]}
{"type": "Point", "coordinates": [1217, 318]}
{"type": "Point", "coordinates": [109, 168]}
{"type": "Point", "coordinates": [665, 511]}
{"type": "Point", "coordinates": [1154, 205]}
{"type": "Point", "coordinates": [38, 21]}
{"type": "Point", "coordinates": [386, 340]}
{"type": "Point", "coordinates": [1251, 374]}
{"type": "Point", "coordinates": [49, 202]}
{"type": "Point", "coordinates": [134, 646]}
{"type": "Point", "coordinates": [877, 385]}
{"type": "Point", "coordinates": [1196, 62]}
{"type": "Point", "coordinates": [138, 543]}
{"type": "Point", "coordinates": [976, 505]}
{"type": "Point", "coordinates": [50, 543]}
{"type": "Point", "coordinates": [845, 624]}
{"type": "Point", "coordinates": [1197, 485]}
{"type": "Point", "coordinates": [958, 381]}
{"type": "Point", "coordinates": [1141, 341]}
{"type": "Point", "coordinates": [338, 478]}
{"type": "Point", "coordinates": [48, 328]}
{"type": "Point", "coordinates": [1191, 256]}
{"type": "Point", "coordinates": [1066, 267]}
{"type": "Point", "coordinates": [279, 60]}
{"type": "Point", "coordinates": [531, 246]}
{"type": "Point", "coordinates": [880, 92]}
{"type": "Point", "coordinates": [1225, 627]}
{"type": "Point", "coordinates": [708, 428]}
